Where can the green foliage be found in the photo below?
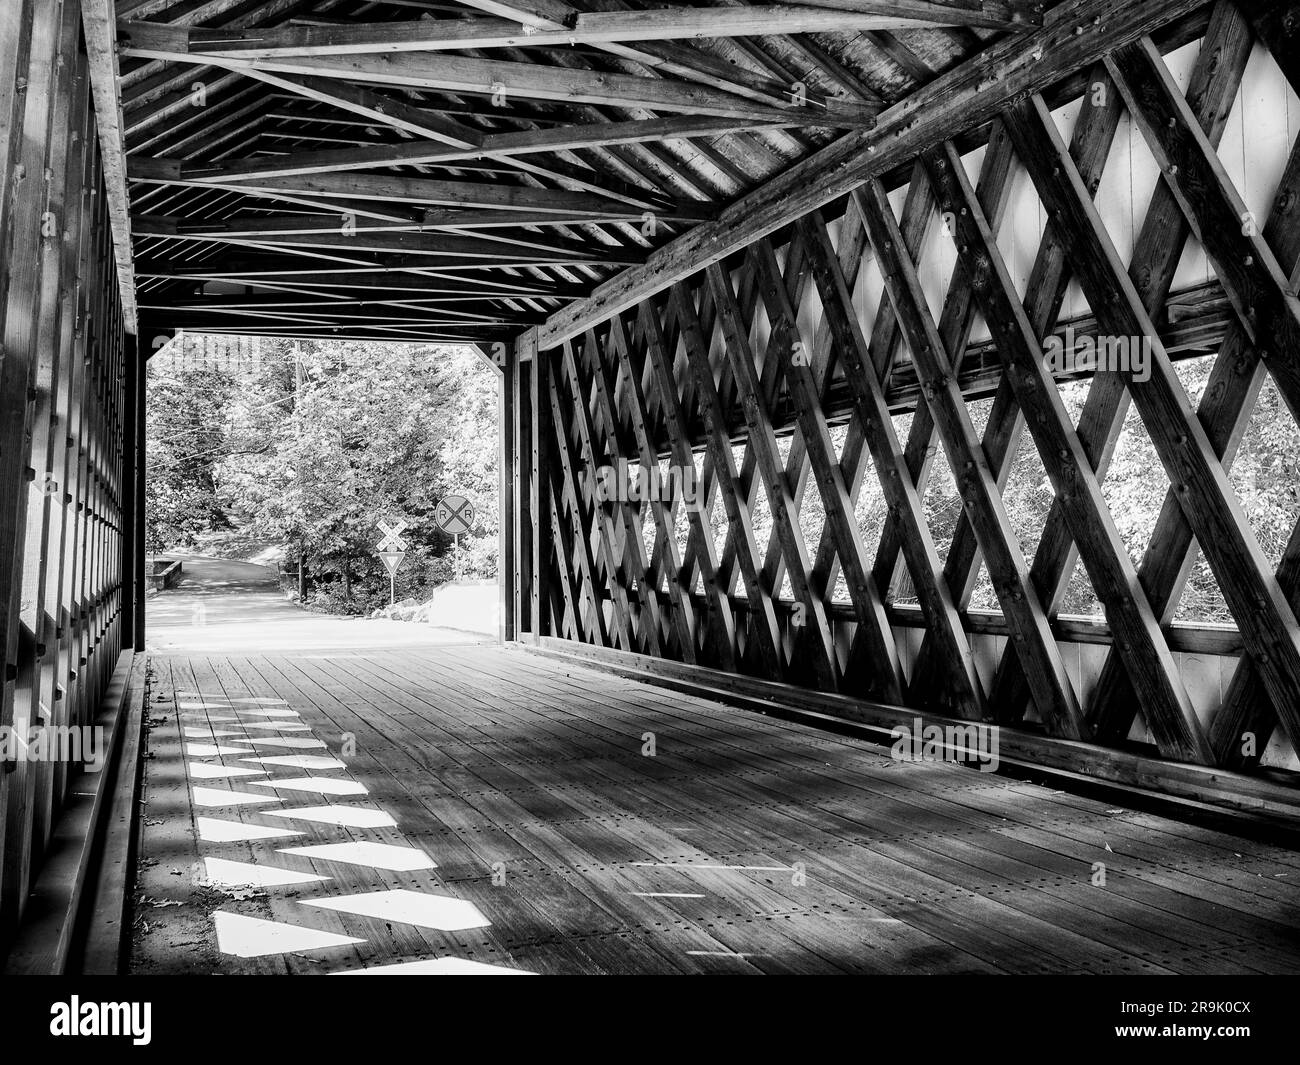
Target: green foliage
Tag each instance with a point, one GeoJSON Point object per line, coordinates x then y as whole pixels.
{"type": "Point", "coordinates": [186, 429]}
{"type": "Point", "coordinates": [327, 438]}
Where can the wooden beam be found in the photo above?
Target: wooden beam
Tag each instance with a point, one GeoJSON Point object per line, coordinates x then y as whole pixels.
{"type": "Point", "coordinates": [460, 74]}
{"type": "Point", "coordinates": [617, 446]}
{"type": "Point", "coordinates": [350, 235]}
{"type": "Point", "coordinates": [592, 513]}
{"type": "Point", "coordinates": [1055, 555]}
{"type": "Point", "coordinates": [603, 27]}
{"type": "Point", "coordinates": [455, 137]}
{"type": "Point", "coordinates": [1152, 668]}
{"type": "Point", "coordinates": [771, 654]}
{"type": "Point", "coordinates": [540, 461]}
{"type": "Point", "coordinates": [1243, 258]}
{"type": "Point", "coordinates": [962, 99]}
{"type": "Point", "coordinates": [578, 532]}
{"type": "Point", "coordinates": [1053, 692]}
{"type": "Point", "coordinates": [874, 637]}
{"type": "Point", "coordinates": [959, 689]}
{"type": "Point", "coordinates": [393, 188]}
{"type": "Point", "coordinates": [684, 618]}
{"type": "Point", "coordinates": [378, 107]}
{"type": "Point", "coordinates": [955, 324]}
{"type": "Point", "coordinates": [1209, 501]}
{"type": "Point", "coordinates": [98, 27]}
{"type": "Point", "coordinates": [659, 358]}
{"type": "Point", "coordinates": [565, 138]}
{"type": "Point", "coordinates": [1245, 265]}
{"type": "Point", "coordinates": [752, 393]}
{"type": "Point", "coordinates": [991, 14]}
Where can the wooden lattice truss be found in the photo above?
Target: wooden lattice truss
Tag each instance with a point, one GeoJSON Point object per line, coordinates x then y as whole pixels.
{"type": "Point", "coordinates": [683, 371]}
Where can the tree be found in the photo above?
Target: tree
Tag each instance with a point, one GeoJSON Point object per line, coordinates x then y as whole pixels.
{"type": "Point", "coordinates": [368, 432]}
{"type": "Point", "coordinates": [186, 430]}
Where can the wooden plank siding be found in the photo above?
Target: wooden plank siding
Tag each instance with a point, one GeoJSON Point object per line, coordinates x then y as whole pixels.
{"type": "Point", "coordinates": [70, 478]}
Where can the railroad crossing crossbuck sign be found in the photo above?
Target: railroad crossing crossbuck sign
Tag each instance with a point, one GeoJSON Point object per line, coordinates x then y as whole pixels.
{"type": "Point", "coordinates": [392, 549]}
{"type": "Point", "coordinates": [454, 515]}
{"type": "Point", "coordinates": [392, 540]}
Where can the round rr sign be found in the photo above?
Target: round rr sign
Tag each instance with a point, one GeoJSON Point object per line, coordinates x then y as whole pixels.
{"type": "Point", "coordinates": [454, 515]}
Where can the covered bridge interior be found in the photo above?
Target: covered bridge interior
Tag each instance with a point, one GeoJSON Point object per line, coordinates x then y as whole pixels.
{"type": "Point", "coordinates": [787, 261]}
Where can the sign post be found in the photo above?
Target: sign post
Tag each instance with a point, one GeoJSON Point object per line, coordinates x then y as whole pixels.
{"type": "Point", "coordinates": [454, 515]}
{"type": "Point", "coordinates": [392, 561]}
{"type": "Point", "coordinates": [392, 550]}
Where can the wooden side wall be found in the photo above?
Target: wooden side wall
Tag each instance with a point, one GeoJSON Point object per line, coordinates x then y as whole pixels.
{"type": "Point", "coordinates": [69, 482]}
{"type": "Point", "coordinates": [776, 376]}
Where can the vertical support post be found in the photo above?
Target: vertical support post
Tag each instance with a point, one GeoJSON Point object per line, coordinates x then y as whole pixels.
{"type": "Point", "coordinates": [140, 471]}
{"type": "Point", "coordinates": [130, 541]}
{"type": "Point", "coordinates": [540, 484]}
{"type": "Point", "coordinates": [523, 513]}
{"type": "Point", "coordinates": [508, 550]}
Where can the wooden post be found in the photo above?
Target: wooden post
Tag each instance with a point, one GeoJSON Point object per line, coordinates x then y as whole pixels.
{"type": "Point", "coordinates": [523, 514]}
{"type": "Point", "coordinates": [140, 470]}
{"type": "Point", "coordinates": [540, 484]}
{"type": "Point", "coordinates": [131, 533]}
{"type": "Point", "coordinates": [507, 553]}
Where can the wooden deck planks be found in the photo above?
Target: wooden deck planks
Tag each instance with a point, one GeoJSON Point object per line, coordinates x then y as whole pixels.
{"type": "Point", "coordinates": [745, 844]}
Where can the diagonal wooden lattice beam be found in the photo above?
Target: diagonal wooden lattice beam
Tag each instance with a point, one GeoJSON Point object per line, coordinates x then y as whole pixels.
{"type": "Point", "coordinates": [576, 533]}
{"type": "Point", "coordinates": [1254, 278]}
{"type": "Point", "coordinates": [873, 641]}
{"type": "Point", "coordinates": [767, 461]}
{"type": "Point", "coordinates": [883, 348]}
{"type": "Point", "coordinates": [683, 608]}
{"type": "Point", "coordinates": [762, 612]}
{"type": "Point", "coordinates": [959, 689]}
{"type": "Point", "coordinates": [721, 618]}
{"type": "Point", "coordinates": [589, 516]}
{"type": "Point", "coordinates": [1264, 616]}
{"type": "Point", "coordinates": [618, 448]}
{"type": "Point", "coordinates": [1094, 133]}
{"type": "Point", "coordinates": [566, 603]}
{"type": "Point", "coordinates": [797, 280]}
{"type": "Point", "coordinates": [1036, 645]}
{"type": "Point", "coordinates": [1153, 669]}
{"type": "Point", "coordinates": [1214, 82]}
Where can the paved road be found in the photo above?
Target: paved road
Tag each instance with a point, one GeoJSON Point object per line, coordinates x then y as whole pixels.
{"type": "Point", "coordinates": [223, 607]}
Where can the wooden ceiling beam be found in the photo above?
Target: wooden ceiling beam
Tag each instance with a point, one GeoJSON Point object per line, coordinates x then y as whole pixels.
{"type": "Point", "coordinates": [503, 80]}
{"type": "Point", "coordinates": [266, 269]}
{"type": "Point", "coordinates": [306, 298]}
{"type": "Point", "coordinates": [962, 99]}
{"type": "Point", "coordinates": [393, 188]}
{"type": "Point", "coordinates": [460, 247]}
{"type": "Point", "coordinates": [351, 233]}
{"type": "Point", "coordinates": [457, 139]}
{"type": "Point", "coordinates": [612, 27]}
{"type": "Point", "coordinates": [491, 146]}
{"type": "Point", "coordinates": [377, 107]}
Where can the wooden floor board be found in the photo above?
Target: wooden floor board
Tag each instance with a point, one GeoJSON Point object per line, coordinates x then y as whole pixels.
{"type": "Point", "coordinates": [745, 843]}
